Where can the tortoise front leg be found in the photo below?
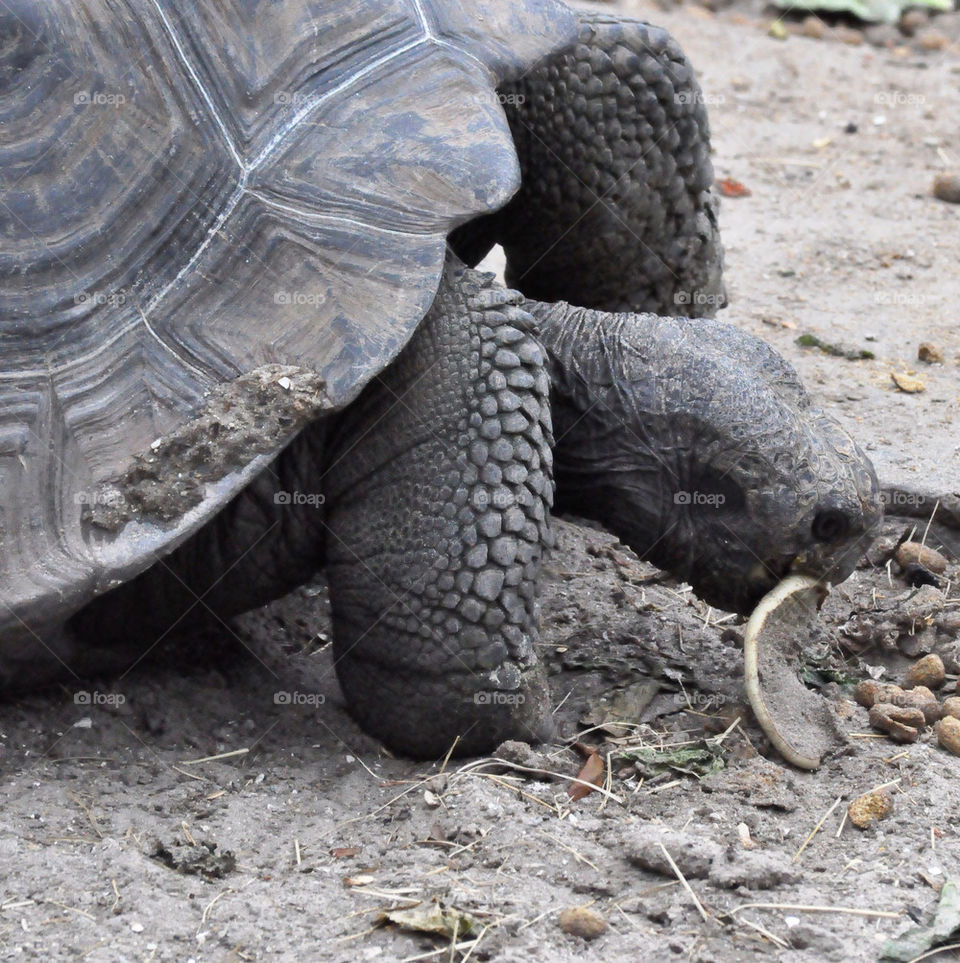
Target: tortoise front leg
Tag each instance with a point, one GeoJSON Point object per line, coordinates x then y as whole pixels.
{"type": "Point", "coordinates": [615, 210]}
{"type": "Point", "coordinates": [439, 488]}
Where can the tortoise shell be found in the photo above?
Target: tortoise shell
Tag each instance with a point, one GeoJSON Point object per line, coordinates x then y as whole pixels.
{"type": "Point", "coordinates": [218, 220]}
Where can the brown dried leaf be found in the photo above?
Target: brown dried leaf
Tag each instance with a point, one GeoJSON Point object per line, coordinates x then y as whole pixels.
{"type": "Point", "coordinates": [592, 772]}
{"type": "Point", "coordinates": [345, 852]}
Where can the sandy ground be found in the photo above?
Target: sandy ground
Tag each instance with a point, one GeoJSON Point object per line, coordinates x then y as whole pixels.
{"type": "Point", "coordinates": [116, 843]}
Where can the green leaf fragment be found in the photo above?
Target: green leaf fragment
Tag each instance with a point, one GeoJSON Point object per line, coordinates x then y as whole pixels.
{"type": "Point", "coordinates": [942, 929]}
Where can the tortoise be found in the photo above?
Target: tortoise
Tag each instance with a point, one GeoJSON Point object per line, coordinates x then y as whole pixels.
{"type": "Point", "coordinates": [243, 340]}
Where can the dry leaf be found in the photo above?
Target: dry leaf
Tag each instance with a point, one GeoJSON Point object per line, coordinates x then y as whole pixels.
{"type": "Point", "coordinates": [431, 919]}
{"type": "Point", "coordinates": [729, 187]}
{"type": "Point", "coordinates": [344, 852]}
{"type": "Point", "coordinates": [358, 880]}
{"type": "Point", "coordinates": [591, 772]}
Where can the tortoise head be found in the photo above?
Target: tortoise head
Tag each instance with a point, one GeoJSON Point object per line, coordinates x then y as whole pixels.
{"type": "Point", "coordinates": [784, 491]}
{"type": "Point", "coordinates": [696, 444]}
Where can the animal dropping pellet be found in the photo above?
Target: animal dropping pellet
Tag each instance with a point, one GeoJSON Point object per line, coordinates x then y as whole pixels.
{"type": "Point", "coordinates": [901, 723]}
{"type": "Point", "coordinates": [915, 553]}
{"type": "Point", "coordinates": [585, 923]}
{"type": "Point", "coordinates": [948, 734]}
{"type": "Point", "coordinates": [872, 806]}
{"type": "Point", "coordinates": [869, 692]}
{"type": "Point", "coordinates": [951, 707]}
{"type": "Point", "coordinates": [928, 671]}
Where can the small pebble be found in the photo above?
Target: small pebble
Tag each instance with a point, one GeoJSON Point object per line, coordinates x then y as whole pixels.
{"type": "Point", "coordinates": [932, 39]}
{"type": "Point", "coordinates": [849, 35]}
{"type": "Point", "coordinates": [913, 20]}
{"type": "Point", "coordinates": [882, 35]}
{"type": "Point", "coordinates": [928, 671]}
{"type": "Point", "coordinates": [900, 723]}
{"type": "Point", "coordinates": [951, 707]}
{"type": "Point", "coordinates": [948, 734]}
{"type": "Point", "coordinates": [581, 922]}
{"type": "Point", "coordinates": [946, 187]}
{"type": "Point", "coordinates": [929, 353]}
{"type": "Point", "coordinates": [870, 807]}
{"type": "Point", "coordinates": [907, 383]}
{"type": "Point", "coordinates": [914, 553]}
{"type": "Point", "coordinates": [813, 27]}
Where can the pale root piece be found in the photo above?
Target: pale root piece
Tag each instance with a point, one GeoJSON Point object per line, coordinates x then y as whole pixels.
{"type": "Point", "coordinates": [799, 724]}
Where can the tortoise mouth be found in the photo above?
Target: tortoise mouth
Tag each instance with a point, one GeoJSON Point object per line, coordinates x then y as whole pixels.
{"type": "Point", "coordinates": [741, 594]}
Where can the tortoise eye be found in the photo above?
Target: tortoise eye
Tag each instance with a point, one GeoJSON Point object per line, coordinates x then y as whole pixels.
{"type": "Point", "coordinates": [830, 525]}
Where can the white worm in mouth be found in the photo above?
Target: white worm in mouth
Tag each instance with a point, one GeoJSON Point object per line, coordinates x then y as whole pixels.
{"type": "Point", "coordinates": [769, 603]}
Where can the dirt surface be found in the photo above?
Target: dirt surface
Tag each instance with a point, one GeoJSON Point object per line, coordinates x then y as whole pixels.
{"type": "Point", "coordinates": [117, 843]}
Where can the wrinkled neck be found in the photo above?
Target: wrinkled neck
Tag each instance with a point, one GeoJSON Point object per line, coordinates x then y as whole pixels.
{"type": "Point", "coordinates": [608, 459]}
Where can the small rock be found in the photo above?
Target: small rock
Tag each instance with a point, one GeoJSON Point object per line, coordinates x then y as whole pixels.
{"type": "Point", "coordinates": [520, 753]}
{"type": "Point", "coordinates": [902, 724]}
{"type": "Point", "coordinates": [949, 23]}
{"type": "Point", "coordinates": [932, 39]}
{"type": "Point", "coordinates": [907, 383]}
{"type": "Point", "coordinates": [910, 553]}
{"type": "Point", "coordinates": [929, 353]}
{"type": "Point", "coordinates": [813, 27]}
{"type": "Point", "coordinates": [872, 806]}
{"type": "Point", "coordinates": [693, 853]}
{"type": "Point", "coordinates": [754, 870]}
{"type": "Point", "coordinates": [920, 643]}
{"type": "Point", "coordinates": [869, 692]}
{"type": "Point", "coordinates": [951, 707]}
{"type": "Point", "coordinates": [913, 20]}
{"type": "Point", "coordinates": [948, 734]}
{"type": "Point", "coordinates": [928, 671]}
{"type": "Point", "coordinates": [849, 35]}
{"type": "Point", "coordinates": [920, 607]}
{"type": "Point", "coordinates": [946, 187]}
{"type": "Point", "coordinates": [581, 922]}
{"type": "Point", "coordinates": [882, 35]}
{"type": "Point", "coordinates": [881, 550]}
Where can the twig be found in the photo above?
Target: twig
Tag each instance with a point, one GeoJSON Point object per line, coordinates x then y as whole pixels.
{"type": "Point", "coordinates": [685, 884]}
{"type": "Point", "coordinates": [220, 755]}
{"type": "Point", "coordinates": [935, 951]}
{"type": "Point", "coordinates": [783, 944]}
{"type": "Point", "coordinates": [812, 908]}
{"type": "Point", "coordinates": [816, 829]}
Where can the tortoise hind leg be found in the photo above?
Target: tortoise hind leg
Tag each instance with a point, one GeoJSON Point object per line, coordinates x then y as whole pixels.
{"type": "Point", "coordinates": [615, 211]}
{"type": "Point", "coordinates": [265, 542]}
{"type": "Point", "coordinates": [439, 491]}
